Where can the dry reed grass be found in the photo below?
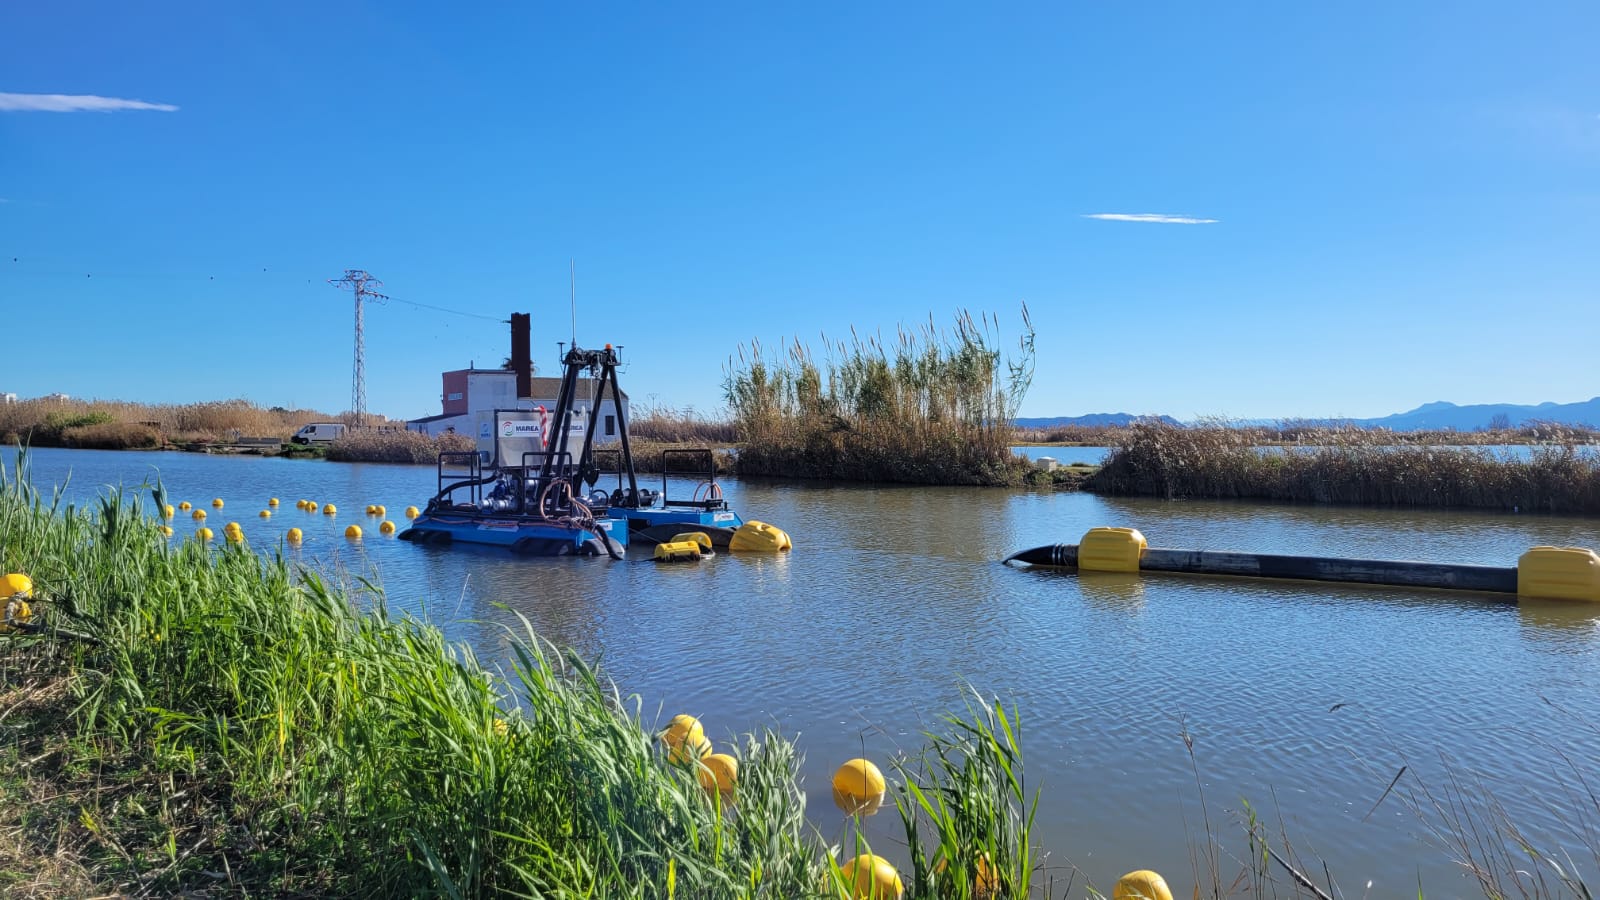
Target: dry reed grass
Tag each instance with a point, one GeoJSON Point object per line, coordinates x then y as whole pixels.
{"type": "Point", "coordinates": [396, 446]}
{"type": "Point", "coordinates": [663, 425]}
{"type": "Point", "coordinates": [46, 423]}
{"type": "Point", "coordinates": [933, 407]}
{"type": "Point", "coordinates": [1347, 467]}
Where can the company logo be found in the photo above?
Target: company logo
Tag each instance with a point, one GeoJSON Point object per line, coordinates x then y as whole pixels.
{"type": "Point", "coordinates": [514, 428]}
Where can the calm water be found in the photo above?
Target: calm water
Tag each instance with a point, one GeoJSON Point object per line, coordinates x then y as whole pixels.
{"type": "Point", "coordinates": [894, 599]}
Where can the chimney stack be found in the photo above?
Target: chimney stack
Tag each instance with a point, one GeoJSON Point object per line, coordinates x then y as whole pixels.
{"type": "Point", "coordinates": [521, 358]}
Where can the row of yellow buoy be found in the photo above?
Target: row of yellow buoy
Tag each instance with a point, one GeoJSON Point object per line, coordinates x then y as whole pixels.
{"type": "Point", "coordinates": [235, 534]}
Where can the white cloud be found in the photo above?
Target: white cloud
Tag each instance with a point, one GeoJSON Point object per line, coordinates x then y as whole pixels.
{"type": "Point", "coordinates": [74, 103]}
{"type": "Point", "coordinates": [1147, 217]}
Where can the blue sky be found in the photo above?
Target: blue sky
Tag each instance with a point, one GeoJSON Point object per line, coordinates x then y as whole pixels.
{"type": "Point", "coordinates": [1406, 196]}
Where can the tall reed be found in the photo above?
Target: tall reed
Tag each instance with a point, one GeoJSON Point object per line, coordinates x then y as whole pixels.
{"type": "Point", "coordinates": [933, 406]}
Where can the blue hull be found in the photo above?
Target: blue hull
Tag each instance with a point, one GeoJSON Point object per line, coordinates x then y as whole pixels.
{"type": "Point", "coordinates": [537, 537]}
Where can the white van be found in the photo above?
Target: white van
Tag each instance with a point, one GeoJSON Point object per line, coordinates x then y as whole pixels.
{"type": "Point", "coordinates": [319, 433]}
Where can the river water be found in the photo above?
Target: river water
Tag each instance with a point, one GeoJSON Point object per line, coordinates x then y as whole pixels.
{"type": "Point", "coordinates": [1303, 700]}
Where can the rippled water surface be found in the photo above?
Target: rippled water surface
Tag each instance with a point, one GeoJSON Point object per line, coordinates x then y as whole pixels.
{"type": "Point", "coordinates": [1302, 699]}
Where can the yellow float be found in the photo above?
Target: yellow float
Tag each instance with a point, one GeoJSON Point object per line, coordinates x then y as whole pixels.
{"type": "Point", "coordinates": [858, 788]}
{"type": "Point", "coordinates": [1141, 885]}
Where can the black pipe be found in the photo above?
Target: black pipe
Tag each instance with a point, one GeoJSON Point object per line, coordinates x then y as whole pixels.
{"type": "Point", "coordinates": [1400, 573]}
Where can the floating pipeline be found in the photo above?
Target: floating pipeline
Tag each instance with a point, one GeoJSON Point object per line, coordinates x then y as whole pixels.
{"type": "Point", "coordinates": [1548, 573]}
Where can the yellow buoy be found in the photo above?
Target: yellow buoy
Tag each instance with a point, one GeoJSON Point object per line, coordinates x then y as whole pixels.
{"type": "Point", "coordinates": [329, 509]}
{"type": "Point", "coordinates": [265, 514]}
{"type": "Point", "coordinates": [300, 504]}
{"type": "Point", "coordinates": [1141, 885]}
{"type": "Point", "coordinates": [293, 535]}
{"type": "Point", "coordinates": [353, 532]}
{"type": "Point", "coordinates": [412, 512]}
{"type": "Point", "coordinates": [869, 876]}
{"type": "Point", "coordinates": [217, 503]}
{"type": "Point", "coordinates": [199, 515]}
{"type": "Point", "coordinates": [382, 510]}
{"type": "Point", "coordinates": [719, 772]}
{"type": "Point", "coordinates": [759, 537]}
{"type": "Point", "coordinates": [272, 501]}
{"type": "Point", "coordinates": [234, 536]}
{"type": "Point", "coordinates": [985, 884]}
{"type": "Point", "coordinates": [387, 527]}
{"type": "Point", "coordinates": [15, 589]}
{"type": "Point", "coordinates": [371, 510]}
{"type": "Point", "coordinates": [858, 787]}
{"type": "Point", "coordinates": [166, 511]}
{"type": "Point", "coordinates": [311, 506]}
{"type": "Point", "coordinates": [684, 738]}
{"type": "Point", "coordinates": [166, 530]}
{"type": "Point", "coordinates": [203, 533]}
{"type": "Point", "coordinates": [184, 506]}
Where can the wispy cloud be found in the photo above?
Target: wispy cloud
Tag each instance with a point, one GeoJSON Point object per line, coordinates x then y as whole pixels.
{"type": "Point", "coordinates": [74, 103]}
{"type": "Point", "coordinates": [1150, 217]}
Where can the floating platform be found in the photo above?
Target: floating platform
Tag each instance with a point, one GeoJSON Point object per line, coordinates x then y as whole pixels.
{"type": "Point", "coordinates": [1551, 573]}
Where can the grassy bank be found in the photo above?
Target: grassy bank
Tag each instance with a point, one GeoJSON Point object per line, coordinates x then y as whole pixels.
{"type": "Point", "coordinates": [1155, 459]}
{"type": "Point", "coordinates": [933, 407]}
{"type": "Point", "coordinates": [220, 722]}
{"type": "Point", "coordinates": [212, 720]}
{"type": "Point", "coordinates": [115, 425]}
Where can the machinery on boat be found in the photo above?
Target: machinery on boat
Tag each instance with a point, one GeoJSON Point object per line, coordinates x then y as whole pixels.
{"type": "Point", "coordinates": [536, 484]}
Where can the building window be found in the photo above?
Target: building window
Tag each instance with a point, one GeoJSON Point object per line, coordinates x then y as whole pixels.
{"type": "Point", "coordinates": [453, 395]}
{"type": "Point", "coordinates": [611, 426]}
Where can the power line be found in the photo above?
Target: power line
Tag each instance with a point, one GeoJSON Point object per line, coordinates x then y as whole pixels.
{"type": "Point", "coordinates": [453, 312]}
{"type": "Point", "coordinates": [357, 280]}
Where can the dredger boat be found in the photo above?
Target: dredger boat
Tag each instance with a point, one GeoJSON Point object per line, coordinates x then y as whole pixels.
{"type": "Point", "coordinates": [534, 484]}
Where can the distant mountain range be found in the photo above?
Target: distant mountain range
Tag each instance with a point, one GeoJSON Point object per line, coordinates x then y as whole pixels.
{"type": "Point", "coordinates": [1438, 415]}
{"type": "Point", "coordinates": [1480, 415]}
{"type": "Point", "coordinates": [1093, 420]}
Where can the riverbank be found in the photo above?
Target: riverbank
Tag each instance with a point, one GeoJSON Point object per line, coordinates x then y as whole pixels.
{"type": "Point", "coordinates": [202, 718]}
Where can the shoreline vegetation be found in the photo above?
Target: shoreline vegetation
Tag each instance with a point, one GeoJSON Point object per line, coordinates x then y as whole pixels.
{"type": "Point", "coordinates": [931, 406]}
{"type": "Point", "coordinates": [935, 407]}
{"type": "Point", "coordinates": [1347, 467]}
{"type": "Point", "coordinates": [214, 720]}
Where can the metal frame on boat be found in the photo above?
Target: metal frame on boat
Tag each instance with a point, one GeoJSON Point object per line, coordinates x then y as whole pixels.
{"type": "Point", "coordinates": [534, 494]}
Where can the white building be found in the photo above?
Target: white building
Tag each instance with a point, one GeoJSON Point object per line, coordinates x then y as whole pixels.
{"type": "Point", "coordinates": [466, 392]}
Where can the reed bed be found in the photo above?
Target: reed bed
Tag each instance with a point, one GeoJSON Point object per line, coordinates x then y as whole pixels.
{"type": "Point", "coordinates": [396, 445]}
{"type": "Point", "coordinates": [1218, 462]}
{"type": "Point", "coordinates": [934, 406]}
{"type": "Point", "coordinates": [1304, 432]}
{"type": "Point", "coordinates": [83, 423]}
{"type": "Point", "coordinates": [664, 425]}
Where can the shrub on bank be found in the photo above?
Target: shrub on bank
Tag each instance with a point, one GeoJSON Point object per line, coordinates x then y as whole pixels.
{"type": "Point", "coordinates": [396, 446]}
{"type": "Point", "coordinates": [936, 407]}
{"type": "Point", "coordinates": [111, 436]}
{"type": "Point", "coordinates": [1156, 459]}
